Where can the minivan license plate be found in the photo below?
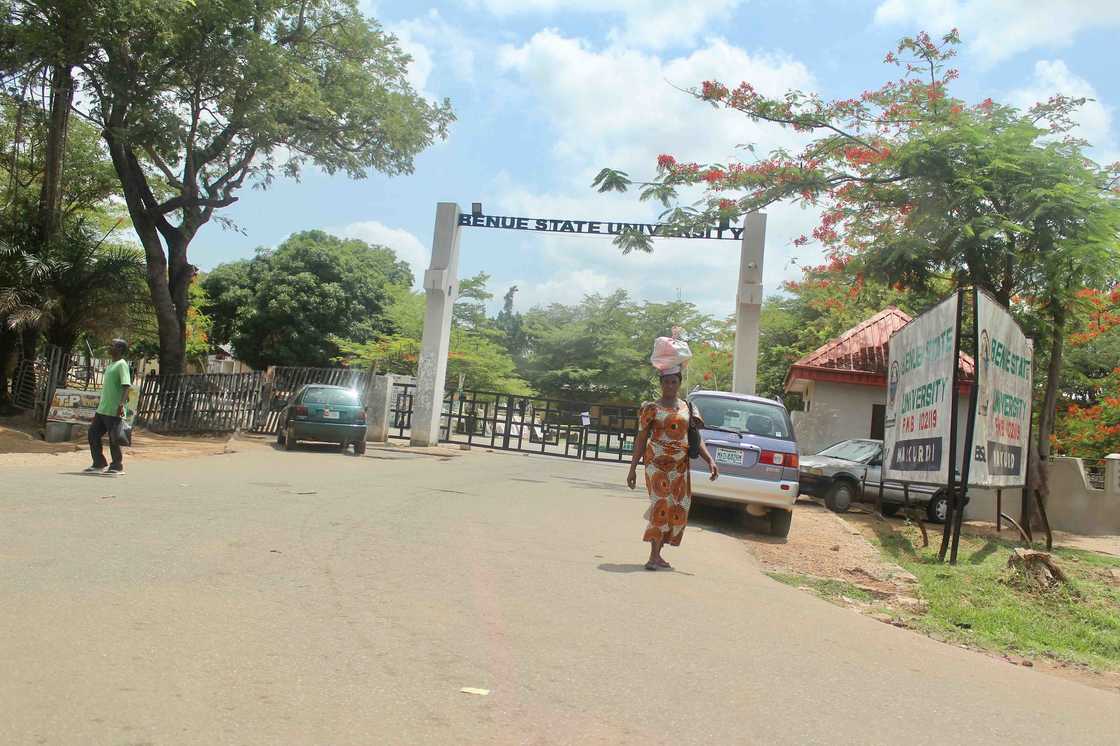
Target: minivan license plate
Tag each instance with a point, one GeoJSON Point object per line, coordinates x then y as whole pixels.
{"type": "Point", "coordinates": [329, 415]}
{"type": "Point", "coordinates": [729, 456]}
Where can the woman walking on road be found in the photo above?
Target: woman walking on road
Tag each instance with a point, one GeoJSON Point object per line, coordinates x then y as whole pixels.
{"type": "Point", "coordinates": [662, 441]}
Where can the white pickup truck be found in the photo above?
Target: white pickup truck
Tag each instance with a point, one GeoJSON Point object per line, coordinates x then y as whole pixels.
{"type": "Point", "coordinates": [852, 469]}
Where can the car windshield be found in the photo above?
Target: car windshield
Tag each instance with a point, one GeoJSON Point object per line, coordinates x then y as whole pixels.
{"type": "Point", "coordinates": [330, 396]}
{"type": "Point", "coordinates": [853, 450]}
{"type": "Point", "coordinates": [742, 416]}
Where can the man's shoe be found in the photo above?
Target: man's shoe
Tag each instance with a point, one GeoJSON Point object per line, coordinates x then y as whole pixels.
{"type": "Point", "coordinates": [94, 469]}
{"type": "Point", "coordinates": [114, 470]}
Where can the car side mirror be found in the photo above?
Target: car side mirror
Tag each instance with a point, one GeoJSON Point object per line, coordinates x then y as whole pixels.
{"type": "Point", "coordinates": [875, 462]}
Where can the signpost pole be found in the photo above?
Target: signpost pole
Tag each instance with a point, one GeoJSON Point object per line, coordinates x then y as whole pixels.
{"type": "Point", "coordinates": [973, 399]}
{"type": "Point", "coordinates": [1029, 485]}
{"type": "Point", "coordinates": [950, 519]}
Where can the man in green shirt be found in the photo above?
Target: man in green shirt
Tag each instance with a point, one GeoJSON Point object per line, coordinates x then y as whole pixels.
{"type": "Point", "coordinates": [114, 394]}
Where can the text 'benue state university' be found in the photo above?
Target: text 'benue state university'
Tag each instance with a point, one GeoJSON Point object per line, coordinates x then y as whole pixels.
{"type": "Point", "coordinates": [593, 227]}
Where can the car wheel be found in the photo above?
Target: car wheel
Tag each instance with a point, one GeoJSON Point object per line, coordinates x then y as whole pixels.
{"type": "Point", "coordinates": [938, 508]}
{"type": "Point", "coordinates": [840, 497]}
{"type": "Point", "coordinates": [290, 438]}
{"type": "Point", "coordinates": [891, 509]}
{"type": "Point", "coordinates": [359, 447]}
{"type": "Point", "coordinates": [780, 521]}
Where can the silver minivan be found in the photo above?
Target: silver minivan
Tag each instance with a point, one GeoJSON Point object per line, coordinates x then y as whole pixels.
{"type": "Point", "coordinates": [751, 439]}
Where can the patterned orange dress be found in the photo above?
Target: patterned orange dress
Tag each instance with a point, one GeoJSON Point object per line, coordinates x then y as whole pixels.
{"type": "Point", "coordinates": [667, 479]}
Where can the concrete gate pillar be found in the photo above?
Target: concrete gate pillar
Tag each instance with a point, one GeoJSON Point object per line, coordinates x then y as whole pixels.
{"type": "Point", "coordinates": [748, 306]}
{"type": "Point", "coordinates": [441, 283]}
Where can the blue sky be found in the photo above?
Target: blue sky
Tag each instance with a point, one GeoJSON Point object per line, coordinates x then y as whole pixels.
{"type": "Point", "coordinates": [547, 92]}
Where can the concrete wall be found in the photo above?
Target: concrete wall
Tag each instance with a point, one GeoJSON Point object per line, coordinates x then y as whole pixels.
{"type": "Point", "coordinates": [1074, 505]}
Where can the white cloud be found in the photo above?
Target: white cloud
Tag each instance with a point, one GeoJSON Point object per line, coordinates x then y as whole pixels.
{"type": "Point", "coordinates": [1094, 119]}
{"type": "Point", "coordinates": [622, 107]}
{"type": "Point", "coordinates": [430, 39]}
{"type": "Point", "coordinates": [652, 24]}
{"type": "Point", "coordinates": [407, 246]}
{"type": "Point", "coordinates": [421, 66]}
{"type": "Point", "coordinates": [998, 29]}
{"type": "Point", "coordinates": [646, 116]}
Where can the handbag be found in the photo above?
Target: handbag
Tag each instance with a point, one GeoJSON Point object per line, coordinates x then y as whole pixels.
{"type": "Point", "coordinates": [693, 434]}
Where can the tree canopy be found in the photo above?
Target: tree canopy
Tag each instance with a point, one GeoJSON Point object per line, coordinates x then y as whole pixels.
{"type": "Point", "coordinates": [285, 307]}
{"type": "Point", "coordinates": [197, 98]}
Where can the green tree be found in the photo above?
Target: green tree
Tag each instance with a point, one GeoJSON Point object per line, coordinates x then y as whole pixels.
{"type": "Point", "coordinates": [195, 98]}
{"type": "Point", "coordinates": [78, 280]}
{"type": "Point", "coordinates": [469, 310]}
{"type": "Point", "coordinates": [511, 325]}
{"type": "Point", "coordinates": [286, 307]}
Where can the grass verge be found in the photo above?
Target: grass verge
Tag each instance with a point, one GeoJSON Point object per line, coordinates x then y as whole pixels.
{"type": "Point", "coordinates": [978, 601]}
{"type": "Point", "coordinates": [824, 587]}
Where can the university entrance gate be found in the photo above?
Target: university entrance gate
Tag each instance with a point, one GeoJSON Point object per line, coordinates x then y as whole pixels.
{"type": "Point", "coordinates": [498, 420]}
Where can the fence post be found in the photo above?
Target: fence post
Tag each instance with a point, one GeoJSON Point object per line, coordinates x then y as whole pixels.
{"type": "Point", "coordinates": [378, 403]}
{"type": "Point", "coordinates": [266, 397]}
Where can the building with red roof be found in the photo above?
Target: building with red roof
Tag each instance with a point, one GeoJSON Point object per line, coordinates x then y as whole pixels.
{"type": "Point", "coordinates": [843, 384]}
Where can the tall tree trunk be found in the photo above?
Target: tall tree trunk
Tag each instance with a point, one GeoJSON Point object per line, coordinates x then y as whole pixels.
{"type": "Point", "coordinates": [170, 302]}
{"type": "Point", "coordinates": [58, 129]}
{"type": "Point", "coordinates": [1047, 415]}
{"type": "Point", "coordinates": [180, 275]}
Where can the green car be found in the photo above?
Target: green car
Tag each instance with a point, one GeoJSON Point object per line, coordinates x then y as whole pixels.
{"type": "Point", "coordinates": [330, 414]}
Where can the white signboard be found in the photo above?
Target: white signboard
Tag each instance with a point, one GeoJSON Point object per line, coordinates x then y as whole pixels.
{"type": "Point", "coordinates": [74, 406]}
{"type": "Point", "coordinates": [1003, 403]}
{"type": "Point", "coordinates": [921, 396]}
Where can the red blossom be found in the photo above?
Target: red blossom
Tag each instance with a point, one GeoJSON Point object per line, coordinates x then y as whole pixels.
{"type": "Point", "coordinates": [713, 175]}
{"type": "Point", "coordinates": [666, 161]}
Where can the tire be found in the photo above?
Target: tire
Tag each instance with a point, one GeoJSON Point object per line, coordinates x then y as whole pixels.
{"type": "Point", "coordinates": [290, 439]}
{"type": "Point", "coordinates": [891, 509]}
{"type": "Point", "coordinates": [840, 497]}
{"type": "Point", "coordinates": [937, 510]}
{"type": "Point", "coordinates": [780, 521]}
{"type": "Point", "coordinates": [359, 447]}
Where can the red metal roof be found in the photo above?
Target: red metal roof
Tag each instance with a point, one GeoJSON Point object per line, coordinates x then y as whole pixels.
{"type": "Point", "coordinates": [860, 355]}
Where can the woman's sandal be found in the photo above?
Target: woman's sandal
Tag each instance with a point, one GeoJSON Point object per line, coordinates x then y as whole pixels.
{"type": "Point", "coordinates": [651, 565]}
{"type": "Point", "coordinates": [664, 565]}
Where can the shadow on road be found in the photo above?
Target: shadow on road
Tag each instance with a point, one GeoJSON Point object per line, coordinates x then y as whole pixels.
{"type": "Point", "coordinates": [629, 568]}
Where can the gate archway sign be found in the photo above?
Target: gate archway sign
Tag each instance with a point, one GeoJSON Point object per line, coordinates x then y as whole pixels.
{"type": "Point", "coordinates": [441, 284]}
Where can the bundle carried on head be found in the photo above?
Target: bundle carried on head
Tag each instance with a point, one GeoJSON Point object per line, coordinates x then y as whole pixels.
{"type": "Point", "coordinates": [670, 354]}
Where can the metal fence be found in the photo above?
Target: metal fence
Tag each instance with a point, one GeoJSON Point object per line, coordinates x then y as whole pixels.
{"type": "Point", "coordinates": [282, 382]}
{"type": "Point", "coordinates": [528, 424]}
{"type": "Point", "coordinates": [214, 402]}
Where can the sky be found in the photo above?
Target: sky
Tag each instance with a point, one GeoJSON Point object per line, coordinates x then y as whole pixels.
{"type": "Point", "coordinates": [548, 92]}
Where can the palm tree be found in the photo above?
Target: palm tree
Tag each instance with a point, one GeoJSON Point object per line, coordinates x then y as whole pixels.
{"type": "Point", "coordinates": [81, 285]}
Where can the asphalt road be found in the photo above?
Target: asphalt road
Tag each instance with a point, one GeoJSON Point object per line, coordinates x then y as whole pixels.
{"type": "Point", "coordinates": [314, 598]}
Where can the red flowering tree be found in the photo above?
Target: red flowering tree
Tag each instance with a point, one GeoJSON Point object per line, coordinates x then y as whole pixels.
{"type": "Point", "coordinates": [917, 187]}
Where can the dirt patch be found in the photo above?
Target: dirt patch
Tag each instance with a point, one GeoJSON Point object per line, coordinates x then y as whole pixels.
{"type": "Point", "coordinates": [823, 545]}
{"type": "Point", "coordinates": [22, 447]}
